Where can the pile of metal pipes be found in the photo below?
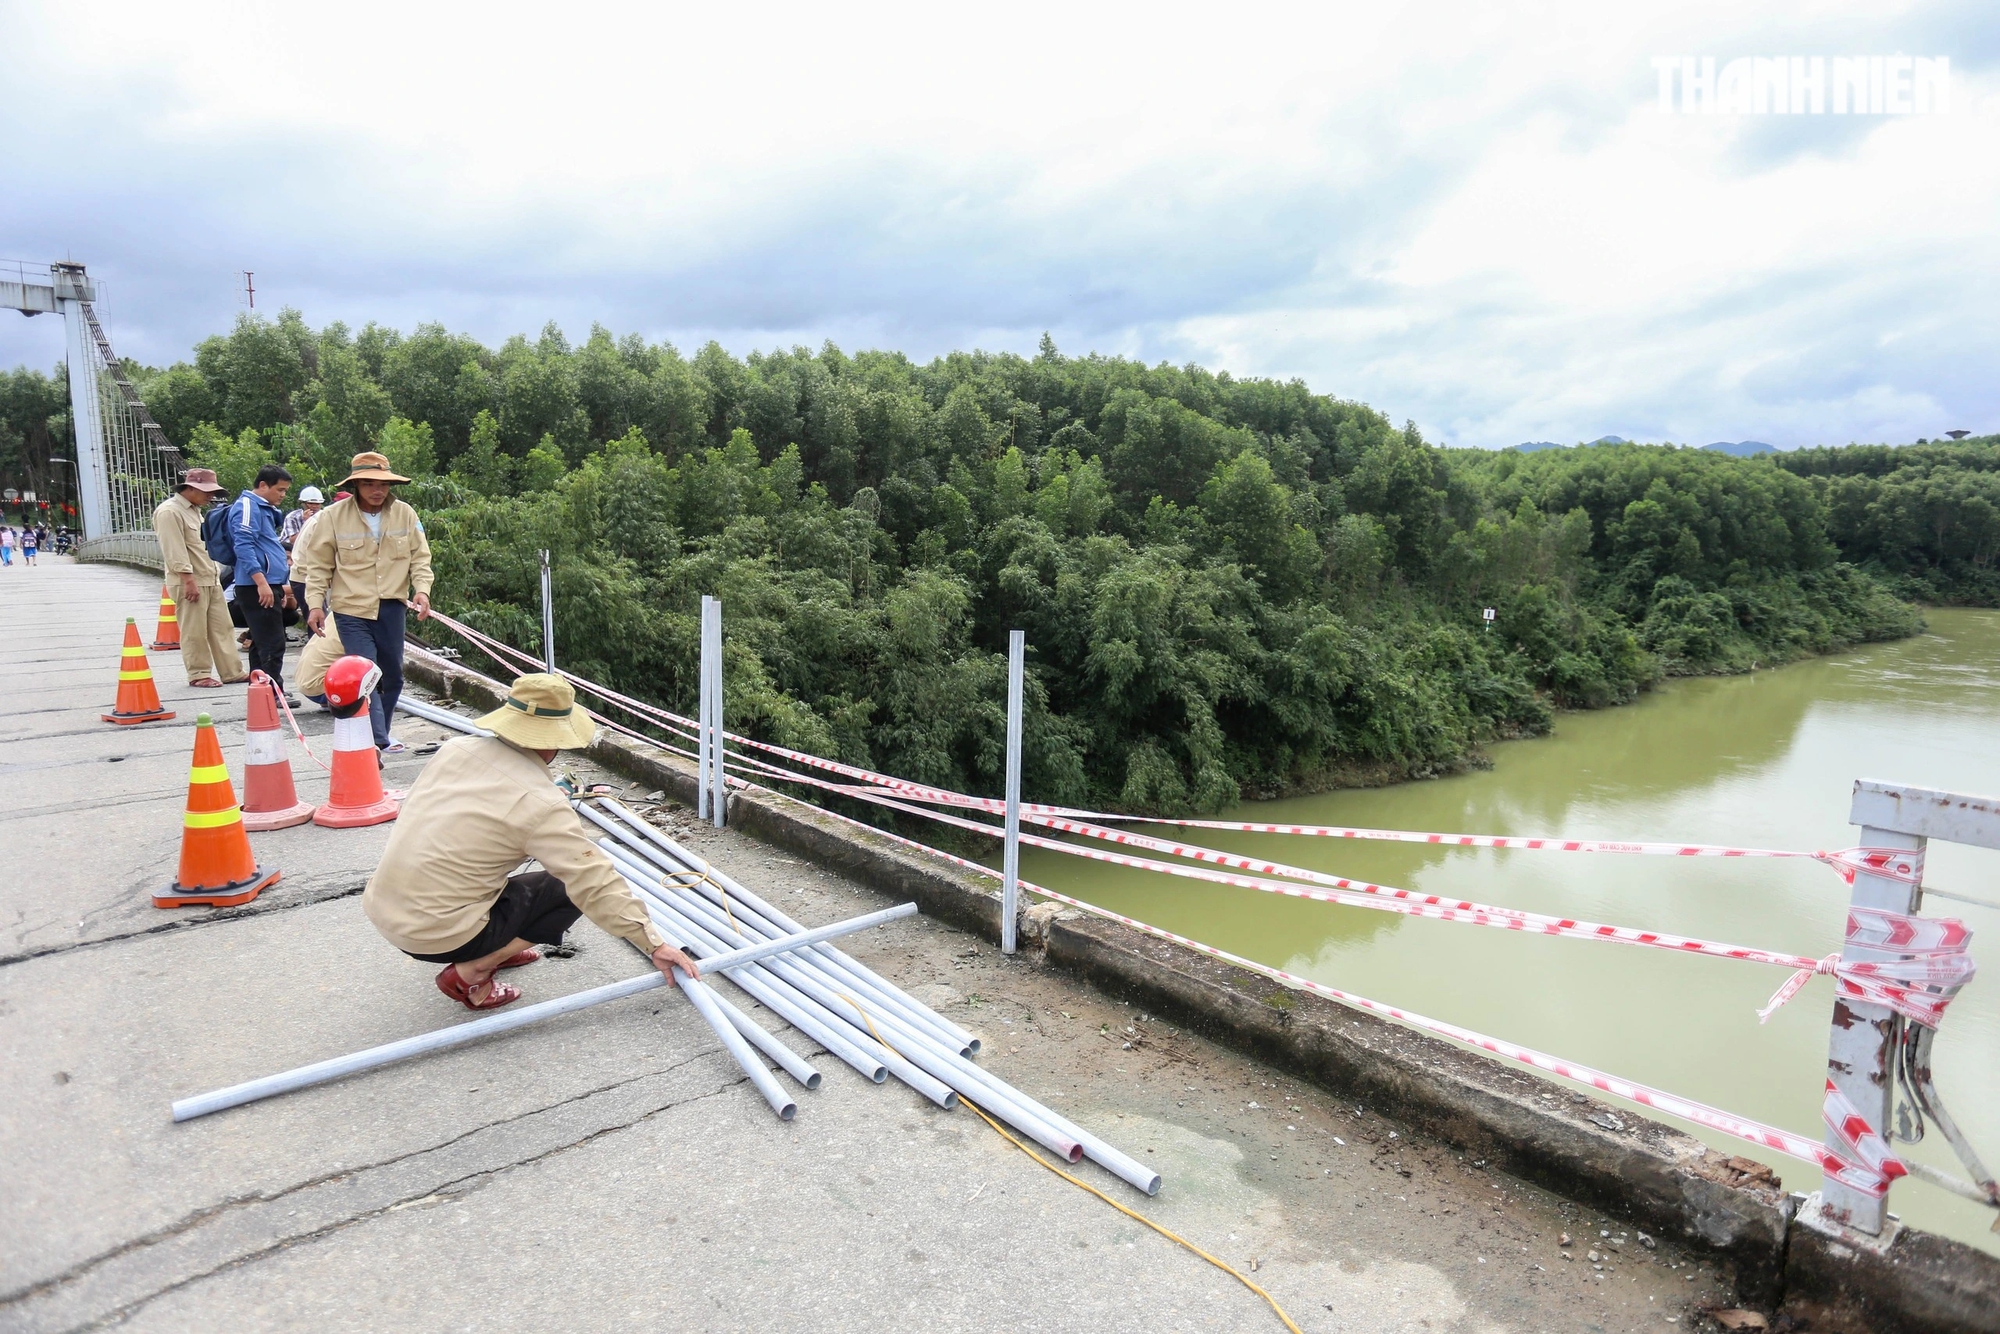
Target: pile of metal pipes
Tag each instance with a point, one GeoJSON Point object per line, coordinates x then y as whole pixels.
{"type": "Point", "coordinates": [856, 1015]}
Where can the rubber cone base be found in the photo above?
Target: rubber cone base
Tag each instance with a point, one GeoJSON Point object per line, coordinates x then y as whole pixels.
{"type": "Point", "coordinates": [222, 896]}
{"type": "Point", "coordinates": [157, 647]}
{"type": "Point", "coordinates": [127, 719]}
{"type": "Point", "coordinates": [353, 817]}
{"type": "Point", "coordinates": [258, 822]}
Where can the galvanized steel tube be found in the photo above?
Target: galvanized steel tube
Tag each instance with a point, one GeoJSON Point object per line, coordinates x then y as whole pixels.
{"type": "Point", "coordinates": [779, 918]}
{"type": "Point", "coordinates": [506, 1021]}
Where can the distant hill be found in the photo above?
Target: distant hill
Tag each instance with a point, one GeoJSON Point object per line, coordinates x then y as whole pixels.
{"type": "Point", "coordinates": [1531, 446]}
{"type": "Point", "coordinates": [1742, 449]}
{"type": "Point", "coordinates": [1611, 440]}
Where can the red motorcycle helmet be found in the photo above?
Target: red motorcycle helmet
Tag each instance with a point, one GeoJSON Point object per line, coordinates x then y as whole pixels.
{"type": "Point", "coordinates": [349, 683]}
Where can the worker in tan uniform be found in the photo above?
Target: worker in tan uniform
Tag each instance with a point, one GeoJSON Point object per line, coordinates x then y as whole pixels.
{"type": "Point", "coordinates": [445, 891]}
{"type": "Point", "coordinates": [368, 560]}
{"type": "Point", "coordinates": [208, 642]}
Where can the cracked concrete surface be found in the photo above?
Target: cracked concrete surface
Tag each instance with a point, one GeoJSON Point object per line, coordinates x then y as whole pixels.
{"type": "Point", "coordinates": [611, 1167]}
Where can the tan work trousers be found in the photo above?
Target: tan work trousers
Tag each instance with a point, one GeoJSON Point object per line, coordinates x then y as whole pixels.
{"type": "Point", "coordinates": [208, 640]}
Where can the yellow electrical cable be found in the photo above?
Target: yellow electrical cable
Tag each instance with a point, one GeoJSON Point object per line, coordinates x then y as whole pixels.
{"type": "Point", "coordinates": [1133, 1214]}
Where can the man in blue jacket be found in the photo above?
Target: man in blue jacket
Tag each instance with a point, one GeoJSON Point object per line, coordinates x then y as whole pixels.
{"type": "Point", "coordinates": [263, 575]}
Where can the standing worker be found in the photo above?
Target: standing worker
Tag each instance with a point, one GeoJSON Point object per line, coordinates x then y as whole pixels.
{"type": "Point", "coordinates": [263, 575]}
{"type": "Point", "coordinates": [445, 891]}
{"type": "Point", "coordinates": [208, 644]}
{"type": "Point", "coordinates": [367, 558]}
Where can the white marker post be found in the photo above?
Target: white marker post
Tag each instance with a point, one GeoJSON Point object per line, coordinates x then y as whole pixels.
{"type": "Point", "coordinates": [701, 721]}
{"type": "Point", "coordinates": [712, 681]}
{"type": "Point", "coordinates": [548, 618]}
{"type": "Point", "coordinates": [1010, 884]}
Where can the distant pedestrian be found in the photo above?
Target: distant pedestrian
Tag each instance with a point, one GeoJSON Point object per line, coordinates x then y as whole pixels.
{"type": "Point", "coordinates": [208, 648]}
{"type": "Point", "coordinates": [29, 545]}
{"type": "Point", "coordinates": [368, 560]}
{"type": "Point", "coordinates": [6, 545]}
{"type": "Point", "coordinates": [263, 575]}
{"type": "Point", "coordinates": [310, 501]}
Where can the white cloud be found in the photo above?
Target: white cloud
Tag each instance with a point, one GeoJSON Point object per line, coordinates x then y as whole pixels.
{"type": "Point", "coordinates": [1469, 216]}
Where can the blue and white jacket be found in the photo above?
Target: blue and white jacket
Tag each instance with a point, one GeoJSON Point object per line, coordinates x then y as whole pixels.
{"type": "Point", "coordinates": [253, 530]}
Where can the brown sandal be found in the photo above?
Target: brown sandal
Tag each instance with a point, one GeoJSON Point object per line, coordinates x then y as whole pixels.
{"type": "Point", "coordinates": [205, 683]}
{"type": "Point", "coordinates": [454, 986]}
{"type": "Point", "coordinates": [521, 959]}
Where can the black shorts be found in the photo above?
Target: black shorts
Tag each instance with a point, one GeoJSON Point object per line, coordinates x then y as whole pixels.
{"type": "Point", "coordinates": [531, 907]}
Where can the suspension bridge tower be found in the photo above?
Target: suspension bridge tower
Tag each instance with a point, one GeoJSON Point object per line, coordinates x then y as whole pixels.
{"type": "Point", "coordinates": [125, 465]}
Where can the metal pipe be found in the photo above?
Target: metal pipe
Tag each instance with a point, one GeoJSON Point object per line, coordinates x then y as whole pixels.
{"type": "Point", "coordinates": [930, 1087]}
{"type": "Point", "coordinates": [442, 717]}
{"type": "Point", "coordinates": [743, 914]}
{"type": "Point", "coordinates": [779, 918]}
{"type": "Point", "coordinates": [718, 750]}
{"type": "Point", "coordinates": [459, 1034]}
{"type": "Point", "coordinates": [548, 617]}
{"type": "Point", "coordinates": [1010, 857]}
{"type": "Point", "coordinates": [801, 1013]}
{"type": "Point", "coordinates": [759, 1037]}
{"type": "Point", "coordinates": [702, 756]}
{"type": "Point", "coordinates": [711, 1010]}
{"type": "Point", "coordinates": [831, 1030]}
{"type": "Point", "coordinates": [904, 1040]}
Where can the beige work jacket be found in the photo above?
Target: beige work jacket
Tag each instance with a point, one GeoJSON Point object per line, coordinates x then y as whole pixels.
{"type": "Point", "coordinates": [480, 808]}
{"type": "Point", "coordinates": [336, 554]}
{"type": "Point", "coordinates": [178, 525]}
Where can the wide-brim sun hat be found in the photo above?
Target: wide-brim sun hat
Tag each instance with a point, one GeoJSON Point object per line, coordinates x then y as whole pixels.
{"type": "Point", "coordinates": [370, 467]}
{"type": "Point", "coordinates": [540, 713]}
{"type": "Point", "coordinates": [201, 479]}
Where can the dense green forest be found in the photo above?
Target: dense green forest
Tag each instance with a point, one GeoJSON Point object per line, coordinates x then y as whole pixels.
{"type": "Point", "coordinates": [1230, 586]}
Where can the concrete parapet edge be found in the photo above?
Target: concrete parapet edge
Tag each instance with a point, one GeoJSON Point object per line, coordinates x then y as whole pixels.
{"type": "Point", "coordinates": [1663, 1180]}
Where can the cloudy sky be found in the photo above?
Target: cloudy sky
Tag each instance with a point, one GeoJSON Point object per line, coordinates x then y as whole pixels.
{"type": "Point", "coordinates": [1472, 215]}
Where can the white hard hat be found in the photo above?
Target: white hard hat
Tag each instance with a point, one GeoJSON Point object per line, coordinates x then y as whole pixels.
{"type": "Point", "coordinates": [311, 496]}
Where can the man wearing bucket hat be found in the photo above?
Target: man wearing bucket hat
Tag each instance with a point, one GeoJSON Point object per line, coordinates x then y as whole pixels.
{"type": "Point", "coordinates": [445, 892]}
{"type": "Point", "coordinates": [208, 641]}
{"type": "Point", "coordinates": [366, 557]}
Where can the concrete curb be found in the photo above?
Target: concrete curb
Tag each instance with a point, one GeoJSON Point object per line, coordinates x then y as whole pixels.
{"type": "Point", "coordinates": [1664, 1180]}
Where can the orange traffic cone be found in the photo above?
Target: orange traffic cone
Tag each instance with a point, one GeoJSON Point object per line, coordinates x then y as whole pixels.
{"type": "Point", "coordinates": [269, 799]}
{"type": "Point", "coordinates": [138, 697]}
{"type": "Point", "coordinates": [217, 868]}
{"type": "Point", "coordinates": [167, 637]}
{"type": "Point", "coordinates": [354, 794]}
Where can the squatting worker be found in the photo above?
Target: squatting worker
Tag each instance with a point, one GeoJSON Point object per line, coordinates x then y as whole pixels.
{"type": "Point", "coordinates": [320, 653]}
{"type": "Point", "coordinates": [444, 892]}
{"type": "Point", "coordinates": [208, 641]}
{"type": "Point", "coordinates": [366, 557]}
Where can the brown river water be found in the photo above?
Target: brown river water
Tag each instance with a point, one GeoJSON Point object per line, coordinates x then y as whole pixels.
{"type": "Point", "coordinates": [1765, 760]}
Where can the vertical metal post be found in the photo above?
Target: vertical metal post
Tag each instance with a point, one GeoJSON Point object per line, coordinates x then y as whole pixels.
{"type": "Point", "coordinates": [1010, 864]}
{"type": "Point", "coordinates": [717, 750]}
{"type": "Point", "coordinates": [548, 618]}
{"type": "Point", "coordinates": [92, 492]}
{"type": "Point", "coordinates": [701, 721]}
{"type": "Point", "coordinates": [1862, 1049]}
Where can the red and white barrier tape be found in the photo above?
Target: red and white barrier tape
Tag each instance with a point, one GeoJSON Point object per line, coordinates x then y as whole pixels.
{"type": "Point", "coordinates": [1892, 983]}
{"type": "Point", "coordinates": [1753, 1132]}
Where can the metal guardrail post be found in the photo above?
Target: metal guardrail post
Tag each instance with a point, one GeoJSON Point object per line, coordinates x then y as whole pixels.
{"type": "Point", "coordinates": [1010, 863]}
{"type": "Point", "coordinates": [1862, 1050]}
{"type": "Point", "coordinates": [548, 618]}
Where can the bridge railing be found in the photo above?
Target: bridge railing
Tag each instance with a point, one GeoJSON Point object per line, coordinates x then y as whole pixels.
{"type": "Point", "coordinates": [141, 548]}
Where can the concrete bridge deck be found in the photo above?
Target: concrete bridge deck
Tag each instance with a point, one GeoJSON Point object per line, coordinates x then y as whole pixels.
{"type": "Point", "coordinates": [612, 1170]}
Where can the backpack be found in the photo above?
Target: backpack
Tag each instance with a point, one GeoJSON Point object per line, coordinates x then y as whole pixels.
{"type": "Point", "coordinates": [215, 537]}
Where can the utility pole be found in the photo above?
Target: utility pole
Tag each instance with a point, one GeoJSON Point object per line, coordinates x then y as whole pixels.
{"type": "Point", "coordinates": [250, 287]}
